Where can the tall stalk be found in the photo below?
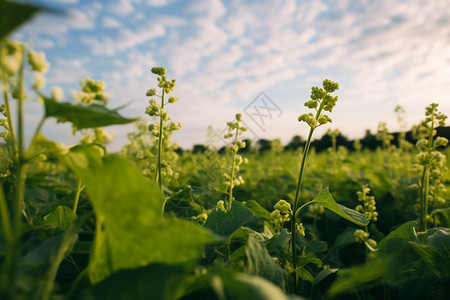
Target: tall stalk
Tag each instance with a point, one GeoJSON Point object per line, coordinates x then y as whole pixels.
{"type": "Point", "coordinates": [233, 171]}
{"type": "Point", "coordinates": [297, 196]}
{"type": "Point", "coordinates": [160, 138]}
{"type": "Point", "coordinates": [320, 100]}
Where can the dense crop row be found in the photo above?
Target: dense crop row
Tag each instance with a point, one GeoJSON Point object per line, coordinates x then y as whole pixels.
{"type": "Point", "coordinates": [150, 223]}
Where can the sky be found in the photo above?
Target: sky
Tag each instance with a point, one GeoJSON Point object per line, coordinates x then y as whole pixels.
{"type": "Point", "coordinates": [258, 58]}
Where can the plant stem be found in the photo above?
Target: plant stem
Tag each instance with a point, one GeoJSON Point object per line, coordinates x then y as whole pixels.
{"type": "Point", "coordinates": [158, 165]}
{"type": "Point", "coordinates": [12, 139]}
{"type": "Point", "coordinates": [77, 197]}
{"type": "Point", "coordinates": [20, 177]}
{"type": "Point", "coordinates": [230, 194]}
{"type": "Point", "coordinates": [297, 196]}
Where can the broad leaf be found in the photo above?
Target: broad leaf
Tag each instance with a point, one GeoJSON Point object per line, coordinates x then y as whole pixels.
{"type": "Point", "coordinates": [405, 232]}
{"type": "Point", "coordinates": [225, 223]}
{"type": "Point", "coordinates": [154, 281]}
{"type": "Point", "coordinates": [260, 263]}
{"type": "Point", "coordinates": [323, 274]}
{"type": "Point", "coordinates": [60, 218]}
{"type": "Point", "coordinates": [324, 198]}
{"type": "Point", "coordinates": [14, 14]}
{"type": "Point", "coordinates": [130, 232]}
{"type": "Point", "coordinates": [238, 286]}
{"type": "Point", "coordinates": [84, 116]}
{"type": "Point", "coordinates": [350, 279]}
{"type": "Point", "coordinates": [258, 210]}
{"type": "Point", "coordinates": [37, 270]}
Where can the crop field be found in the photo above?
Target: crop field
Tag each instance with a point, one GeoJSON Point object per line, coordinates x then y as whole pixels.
{"type": "Point", "coordinates": [244, 221]}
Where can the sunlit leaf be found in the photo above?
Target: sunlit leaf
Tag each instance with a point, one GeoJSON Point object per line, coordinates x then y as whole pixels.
{"type": "Point", "coordinates": [82, 116]}
{"type": "Point", "coordinates": [130, 232]}
{"type": "Point", "coordinates": [325, 199]}
{"type": "Point", "coordinates": [60, 218]}
{"type": "Point", "coordinates": [225, 223]}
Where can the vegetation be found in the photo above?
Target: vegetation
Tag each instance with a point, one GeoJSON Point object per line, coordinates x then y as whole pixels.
{"type": "Point", "coordinates": [234, 223]}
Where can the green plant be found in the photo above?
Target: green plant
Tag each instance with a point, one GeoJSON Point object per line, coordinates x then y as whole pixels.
{"type": "Point", "coordinates": [321, 100]}
{"type": "Point", "coordinates": [234, 131]}
{"type": "Point", "coordinates": [430, 163]}
{"type": "Point", "coordinates": [155, 109]}
{"type": "Point", "coordinates": [368, 207]}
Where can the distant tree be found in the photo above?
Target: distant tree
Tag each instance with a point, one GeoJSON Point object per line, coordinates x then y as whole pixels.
{"type": "Point", "coordinates": [263, 145]}
{"type": "Point", "coordinates": [198, 148]}
{"type": "Point", "coordinates": [370, 141]}
{"type": "Point", "coordinates": [295, 143]}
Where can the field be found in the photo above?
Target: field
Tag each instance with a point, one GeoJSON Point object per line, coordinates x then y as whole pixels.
{"type": "Point", "coordinates": [239, 222]}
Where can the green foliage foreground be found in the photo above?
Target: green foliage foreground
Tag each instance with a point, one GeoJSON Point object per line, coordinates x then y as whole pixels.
{"type": "Point", "coordinates": [80, 223]}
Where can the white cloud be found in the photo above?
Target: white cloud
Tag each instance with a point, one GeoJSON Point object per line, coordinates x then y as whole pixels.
{"type": "Point", "coordinates": [159, 3]}
{"type": "Point", "coordinates": [121, 7]}
{"type": "Point", "coordinates": [65, 71]}
{"type": "Point", "coordinates": [126, 38]}
{"type": "Point", "coordinates": [109, 22]}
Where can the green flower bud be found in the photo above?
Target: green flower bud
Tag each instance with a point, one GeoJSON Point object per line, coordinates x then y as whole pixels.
{"type": "Point", "coordinates": [330, 86]}
{"type": "Point", "coordinates": [173, 99]}
{"type": "Point", "coordinates": [57, 93]}
{"type": "Point", "coordinates": [159, 71]}
{"type": "Point", "coordinates": [311, 104]}
{"type": "Point", "coordinates": [283, 206]}
{"type": "Point", "coordinates": [39, 81]}
{"type": "Point", "coordinates": [220, 205]}
{"type": "Point", "coordinates": [38, 61]}
{"type": "Point", "coordinates": [238, 117]}
{"type": "Point", "coordinates": [151, 92]}
{"type": "Point", "coordinates": [361, 236]}
{"type": "Point", "coordinates": [323, 119]}
{"type": "Point", "coordinates": [300, 229]}
{"type": "Point", "coordinates": [440, 141]}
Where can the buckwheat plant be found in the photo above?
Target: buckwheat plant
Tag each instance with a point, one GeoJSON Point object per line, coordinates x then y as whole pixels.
{"type": "Point", "coordinates": [384, 136]}
{"type": "Point", "coordinates": [321, 100]}
{"type": "Point", "coordinates": [235, 129]}
{"type": "Point", "coordinates": [431, 164]}
{"type": "Point", "coordinates": [16, 59]}
{"type": "Point", "coordinates": [367, 207]}
{"type": "Point", "coordinates": [282, 213]}
{"type": "Point", "coordinates": [162, 128]}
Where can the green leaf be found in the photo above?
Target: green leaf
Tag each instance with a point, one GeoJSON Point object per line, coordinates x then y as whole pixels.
{"type": "Point", "coordinates": [36, 271]}
{"type": "Point", "coordinates": [324, 198]}
{"type": "Point", "coordinates": [406, 232]}
{"type": "Point", "coordinates": [279, 241]}
{"type": "Point", "coordinates": [155, 281]}
{"type": "Point", "coordinates": [323, 274]}
{"type": "Point", "coordinates": [14, 14]}
{"type": "Point", "coordinates": [350, 279]}
{"type": "Point", "coordinates": [260, 263]}
{"type": "Point", "coordinates": [238, 286]}
{"type": "Point", "coordinates": [311, 246]}
{"type": "Point", "coordinates": [130, 232]}
{"type": "Point", "coordinates": [304, 274]}
{"type": "Point", "coordinates": [60, 218]}
{"type": "Point", "coordinates": [84, 116]}
{"type": "Point", "coordinates": [225, 223]}
{"type": "Point", "coordinates": [258, 210]}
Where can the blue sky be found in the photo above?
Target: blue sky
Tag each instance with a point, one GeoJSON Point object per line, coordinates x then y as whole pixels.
{"type": "Point", "coordinates": [223, 54]}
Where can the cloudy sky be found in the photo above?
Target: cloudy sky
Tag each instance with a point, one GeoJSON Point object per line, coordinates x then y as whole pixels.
{"type": "Point", "coordinates": [260, 58]}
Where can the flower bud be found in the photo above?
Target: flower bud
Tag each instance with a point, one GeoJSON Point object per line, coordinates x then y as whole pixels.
{"type": "Point", "coordinates": [39, 81]}
{"type": "Point", "coordinates": [151, 92]}
{"type": "Point", "coordinates": [38, 61]}
{"type": "Point", "coordinates": [57, 93]}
